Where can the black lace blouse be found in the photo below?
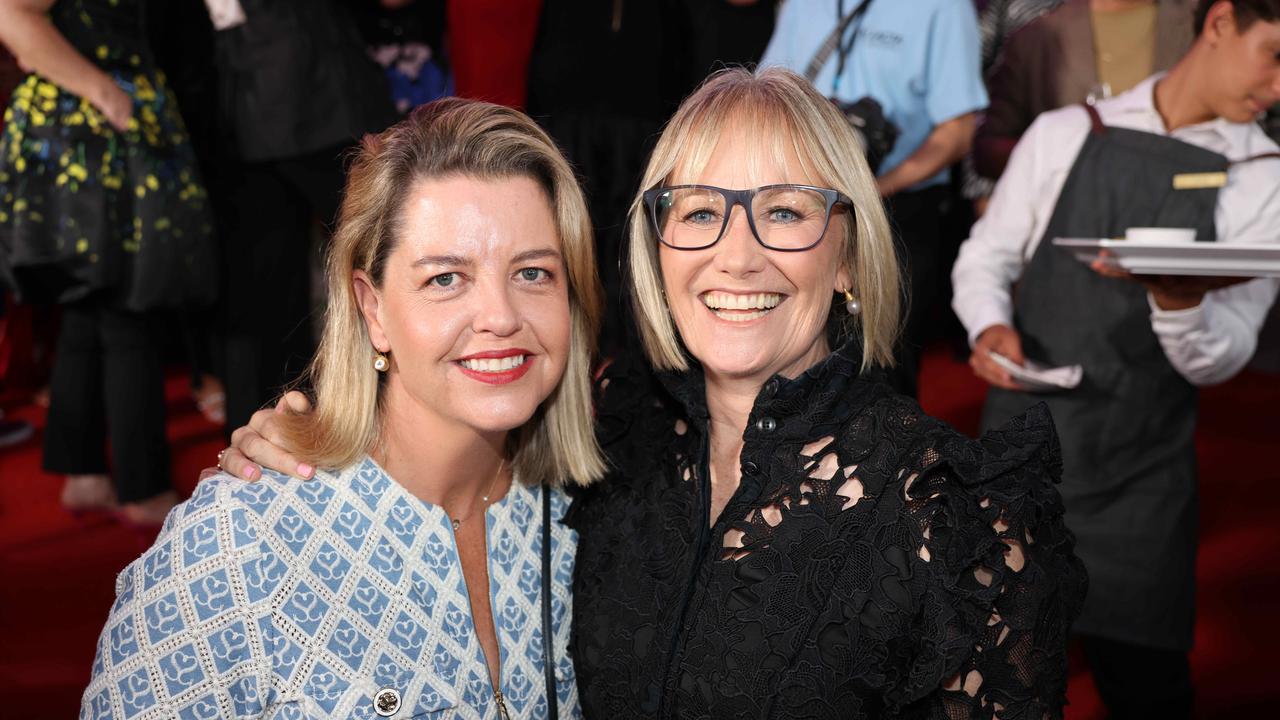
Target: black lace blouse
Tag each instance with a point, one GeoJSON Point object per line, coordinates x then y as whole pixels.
{"type": "Point", "coordinates": [872, 563]}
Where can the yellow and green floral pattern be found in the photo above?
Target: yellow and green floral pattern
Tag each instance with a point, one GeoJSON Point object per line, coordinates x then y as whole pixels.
{"type": "Point", "coordinates": [85, 208]}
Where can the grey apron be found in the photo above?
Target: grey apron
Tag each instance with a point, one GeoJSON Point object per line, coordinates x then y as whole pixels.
{"type": "Point", "coordinates": [1129, 459]}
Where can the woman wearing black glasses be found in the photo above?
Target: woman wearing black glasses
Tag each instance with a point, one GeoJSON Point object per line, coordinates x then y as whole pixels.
{"type": "Point", "coordinates": [781, 535]}
{"type": "Point", "coordinates": [784, 536]}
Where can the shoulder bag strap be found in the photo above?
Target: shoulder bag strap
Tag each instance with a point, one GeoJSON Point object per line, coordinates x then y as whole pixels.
{"type": "Point", "coordinates": [829, 45]}
{"type": "Point", "coordinates": [548, 654]}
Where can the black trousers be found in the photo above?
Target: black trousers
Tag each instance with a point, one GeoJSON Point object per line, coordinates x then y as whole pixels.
{"type": "Point", "coordinates": [917, 227]}
{"type": "Point", "coordinates": [108, 383]}
{"type": "Point", "coordinates": [1138, 682]}
{"type": "Point", "coordinates": [267, 288]}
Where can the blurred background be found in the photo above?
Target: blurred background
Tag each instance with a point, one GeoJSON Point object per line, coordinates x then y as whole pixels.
{"type": "Point", "coordinates": [265, 96]}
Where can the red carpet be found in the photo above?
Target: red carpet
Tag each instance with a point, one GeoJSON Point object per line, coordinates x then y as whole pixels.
{"type": "Point", "coordinates": [57, 572]}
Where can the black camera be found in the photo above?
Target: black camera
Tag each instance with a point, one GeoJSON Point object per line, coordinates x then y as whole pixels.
{"type": "Point", "coordinates": [876, 132]}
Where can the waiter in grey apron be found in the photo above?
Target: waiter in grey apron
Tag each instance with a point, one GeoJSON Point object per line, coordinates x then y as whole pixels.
{"type": "Point", "coordinates": [1127, 430]}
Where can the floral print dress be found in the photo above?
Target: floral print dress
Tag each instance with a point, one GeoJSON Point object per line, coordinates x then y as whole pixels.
{"type": "Point", "coordinates": [88, 211]}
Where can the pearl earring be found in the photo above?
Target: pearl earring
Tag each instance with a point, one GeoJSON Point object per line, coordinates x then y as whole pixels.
{"type": "Point", "coordinates": [380, 362]}
{"type": "Point", "coordinates": [851, 304]}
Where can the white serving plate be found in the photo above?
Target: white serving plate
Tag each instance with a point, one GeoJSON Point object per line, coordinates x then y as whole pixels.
{"type": "Point", "coordinates": [1181, 258]}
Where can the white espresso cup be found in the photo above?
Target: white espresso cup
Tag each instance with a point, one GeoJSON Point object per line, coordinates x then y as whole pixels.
{"type": "Point", "coordinates": [1160, 235]}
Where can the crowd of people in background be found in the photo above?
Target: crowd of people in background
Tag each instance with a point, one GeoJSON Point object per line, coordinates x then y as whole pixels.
{"type": "Point", "coordinates": [169, 164]}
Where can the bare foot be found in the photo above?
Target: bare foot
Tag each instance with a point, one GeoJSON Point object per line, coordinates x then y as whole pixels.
{"type": "Point", "coordinates": [151, 511]}
{"type": "Point", "coordinates": [88, 492]}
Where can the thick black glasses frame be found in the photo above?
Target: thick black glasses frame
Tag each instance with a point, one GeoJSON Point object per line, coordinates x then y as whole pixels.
{"type": "Point", "coordinates": [733, 198]}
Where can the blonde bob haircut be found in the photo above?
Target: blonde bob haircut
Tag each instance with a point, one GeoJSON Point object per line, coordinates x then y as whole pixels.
{"type": "Point", "coordinates": [449, 137]}
{"type": "Point", "coordinates": [785, 112]}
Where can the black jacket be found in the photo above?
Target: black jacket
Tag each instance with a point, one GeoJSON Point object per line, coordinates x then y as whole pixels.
{"type": "Point", "coordinates": [866, 561]}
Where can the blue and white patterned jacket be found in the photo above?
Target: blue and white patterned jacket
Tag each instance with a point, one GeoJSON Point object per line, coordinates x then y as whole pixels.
{"type": "Point", "coordinates": [293, 599]}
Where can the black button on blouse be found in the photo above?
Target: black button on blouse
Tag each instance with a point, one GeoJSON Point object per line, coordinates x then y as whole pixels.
{"type": "Point", "coordinates": [872, 563]}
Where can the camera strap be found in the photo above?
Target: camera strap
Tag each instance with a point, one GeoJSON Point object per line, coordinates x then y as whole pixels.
{"type": "Point", "coordinates": [836, 40]}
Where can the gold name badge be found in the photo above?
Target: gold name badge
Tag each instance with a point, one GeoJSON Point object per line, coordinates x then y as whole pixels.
{"type": "Point", "coordinates": [1199, 181]}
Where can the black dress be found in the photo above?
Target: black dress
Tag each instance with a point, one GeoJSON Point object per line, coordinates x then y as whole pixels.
{"type": "Point", "coordinates": [872, 563]}
{"type": "Point", "coordinates": [87, 210]}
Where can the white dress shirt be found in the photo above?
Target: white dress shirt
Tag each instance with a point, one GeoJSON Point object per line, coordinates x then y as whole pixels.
{"type": "Point", "coordinates": [1206, 344]}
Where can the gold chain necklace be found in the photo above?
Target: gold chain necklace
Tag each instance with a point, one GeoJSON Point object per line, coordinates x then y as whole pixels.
{"type": "Point", "coordinates": [484, 499]}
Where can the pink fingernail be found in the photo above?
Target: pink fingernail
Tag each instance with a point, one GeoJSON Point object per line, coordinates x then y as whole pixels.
{"type": "Point", "coordinates": [251, 473]}
{"type": "Point", "coordinates": [305, 470]}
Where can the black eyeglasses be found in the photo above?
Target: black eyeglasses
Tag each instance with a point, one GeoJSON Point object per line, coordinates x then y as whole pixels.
{"type": "Point", "coordinates": [787, 218]}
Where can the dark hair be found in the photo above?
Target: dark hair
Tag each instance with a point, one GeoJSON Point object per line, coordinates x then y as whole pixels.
{"type": "Point", "coordinates": [1247, 12]}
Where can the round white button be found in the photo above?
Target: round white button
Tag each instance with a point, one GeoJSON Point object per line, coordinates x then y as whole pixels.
{"type": "Point", "coordinates": [386, 702]}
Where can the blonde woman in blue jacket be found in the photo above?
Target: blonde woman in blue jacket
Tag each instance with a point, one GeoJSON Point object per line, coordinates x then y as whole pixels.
{"type": "Point", "coordinates": [452, 396]}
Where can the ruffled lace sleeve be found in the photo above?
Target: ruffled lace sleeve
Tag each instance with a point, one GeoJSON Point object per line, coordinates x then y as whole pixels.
{"type": "Point", "coordinates": [992, 631]}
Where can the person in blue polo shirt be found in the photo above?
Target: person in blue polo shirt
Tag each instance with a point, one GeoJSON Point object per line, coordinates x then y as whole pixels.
{"type": "Point", "coordinates": [921, 61]}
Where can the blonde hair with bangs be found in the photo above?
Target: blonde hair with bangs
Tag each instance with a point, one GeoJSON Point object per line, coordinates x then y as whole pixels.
{"type": "Point", "coordinates": [779, 107]}
{"type": "Point", "coordinates": [440, 139]}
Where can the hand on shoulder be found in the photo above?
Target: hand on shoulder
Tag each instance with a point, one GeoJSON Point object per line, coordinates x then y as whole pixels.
{"type": "Point", "coordinates": [261, 444]}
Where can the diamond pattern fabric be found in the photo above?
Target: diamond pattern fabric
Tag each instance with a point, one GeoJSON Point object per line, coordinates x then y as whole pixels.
{"type": "Point", "coordinates": [306, 599]}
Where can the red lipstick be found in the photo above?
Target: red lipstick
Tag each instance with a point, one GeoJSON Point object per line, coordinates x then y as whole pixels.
{"type": "Point", "coordinates": [500, 377]}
